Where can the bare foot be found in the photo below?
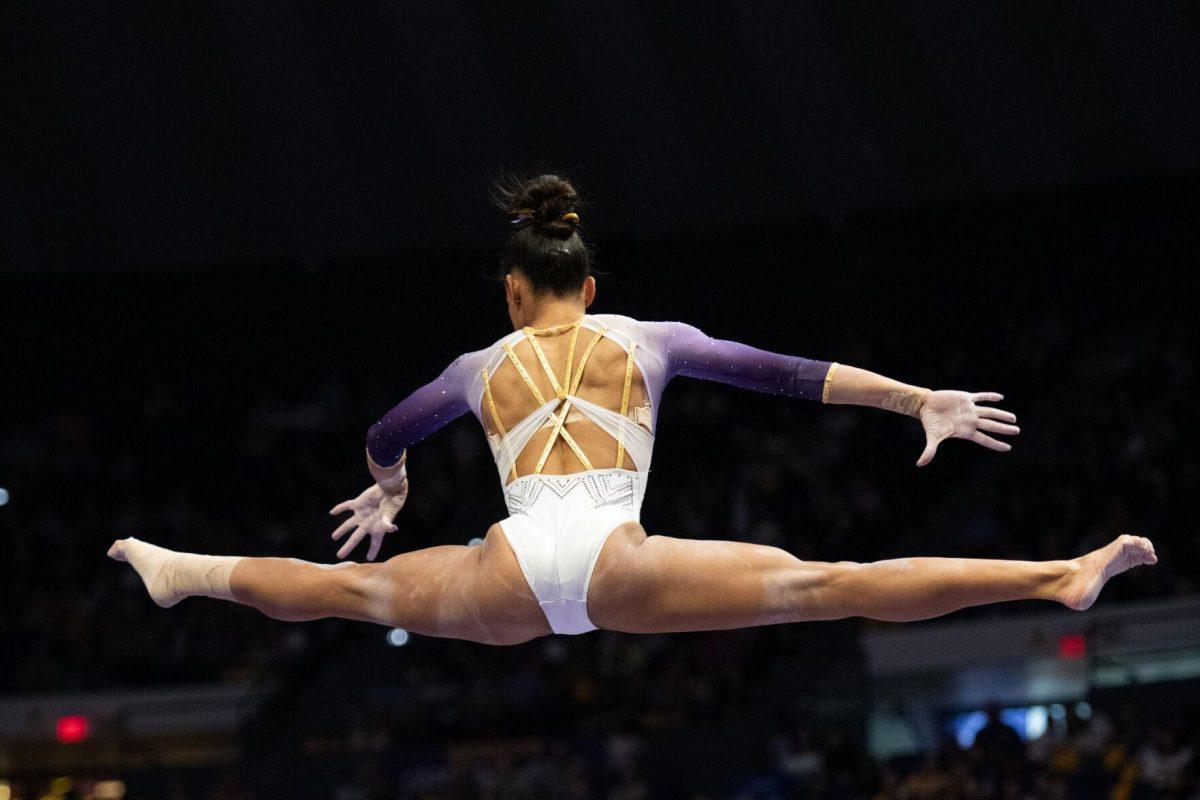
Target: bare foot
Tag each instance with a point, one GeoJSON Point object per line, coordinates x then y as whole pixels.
{"type": "Point", "coordinates": [1089, 573]}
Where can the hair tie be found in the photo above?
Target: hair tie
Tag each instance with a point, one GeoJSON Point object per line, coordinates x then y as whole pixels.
{"type": "Point", "coordinates": [571, 216]}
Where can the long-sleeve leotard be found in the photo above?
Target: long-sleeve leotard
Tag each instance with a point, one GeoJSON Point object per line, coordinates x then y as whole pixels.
{"type": "Point", "coordinates": [664, 350]}
{"type": "Point", "coordinates": [694, 354]}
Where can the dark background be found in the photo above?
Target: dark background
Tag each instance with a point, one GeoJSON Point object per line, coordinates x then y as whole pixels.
{"type": "Point", "coordinates": [142, 134]}
{"type": "Point", "coordinates": [232, 236]}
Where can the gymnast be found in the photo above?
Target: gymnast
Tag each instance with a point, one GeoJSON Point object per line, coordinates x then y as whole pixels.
{"type": "Point", "coordinates": [568, 402]}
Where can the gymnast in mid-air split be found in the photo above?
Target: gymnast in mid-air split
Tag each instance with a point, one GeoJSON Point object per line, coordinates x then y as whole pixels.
{"type": "Point", "coordinates": [569, 403]}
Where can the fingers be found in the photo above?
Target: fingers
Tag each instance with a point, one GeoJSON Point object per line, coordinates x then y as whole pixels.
{"type": "Point", "coordinates": [987, 397]}
{"type": "Point", "coordinates": [931, 446]}
{"type": "Point", "coordinates": [351, 543]}
{"type": "Point", "coordinates": [990, 412]}
{"type": "Point", "coordinates": [992, 444]}
{"type": "Point", "coordinates": [992, 426]}
{"type": "Point", "coordinates": [341, 507]}
{"type": "Point", "coordinates": [376, 541]}
{"type": "Point", "coordinates": [345, 526]}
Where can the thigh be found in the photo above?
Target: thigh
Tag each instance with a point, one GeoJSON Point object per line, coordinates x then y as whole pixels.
{"type": "Point", "coordinates": [477, 593]}
{"type": "Point", "coordinates": [660, 584]}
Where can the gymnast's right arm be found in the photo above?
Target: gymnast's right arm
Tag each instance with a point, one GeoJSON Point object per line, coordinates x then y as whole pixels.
{"type": "Point", "coordinates": [417, 416]}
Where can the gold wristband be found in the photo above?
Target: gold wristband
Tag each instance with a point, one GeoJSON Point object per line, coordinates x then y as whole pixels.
{"type": "Point", "coordinates": [828, 379]}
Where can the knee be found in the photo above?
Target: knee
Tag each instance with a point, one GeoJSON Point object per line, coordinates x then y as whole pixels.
{"type": "Point", "coordinates": [841, 575]}
{"type": "Point", "coordinates": [810, 591]}
{"type": "Point", "coordinates": [365, 591]}
{"type": "Point", "coordinates": [358, 579]}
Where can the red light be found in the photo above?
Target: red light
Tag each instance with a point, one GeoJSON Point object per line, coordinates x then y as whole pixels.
{"type": "Point", "coordinates": [72, 729]}
{"type": "Point", "coordinates": [1072, 646]}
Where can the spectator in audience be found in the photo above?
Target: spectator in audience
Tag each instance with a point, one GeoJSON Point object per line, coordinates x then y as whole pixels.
{"type": "Point", "coordinates": [1164, 760]}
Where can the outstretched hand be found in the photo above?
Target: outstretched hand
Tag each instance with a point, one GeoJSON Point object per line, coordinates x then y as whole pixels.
{"type": "Point", "coordinates": [372, 515]}
{"type": "Point", "coordinates": [951, 414]}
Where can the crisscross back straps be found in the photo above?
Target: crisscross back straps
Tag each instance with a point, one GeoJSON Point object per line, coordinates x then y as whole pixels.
{"type": "Point", "coordinates": [583, 359]}
{"type": "Point", "coordinates": [625, 404]}
{"type": "Point", "coordinates": [564, 392]}
{"type": "Point", "coordinates": [559, 391]}
{"type": "Point", "coordinates": [564, 409]}
{"type": "Point", "coordinates": [559, 430]}
{"type": "Point", "coordinates": [537, 393]}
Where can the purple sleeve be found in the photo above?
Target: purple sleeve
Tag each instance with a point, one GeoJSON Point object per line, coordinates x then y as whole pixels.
{"type": "Point", "coordinates": [421, 413]}
{"type": "Point", "coordinates": [691, 352]}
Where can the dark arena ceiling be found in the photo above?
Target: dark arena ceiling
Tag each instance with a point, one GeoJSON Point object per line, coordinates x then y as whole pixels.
{"type": "Point", "coordinates": [145, 135]}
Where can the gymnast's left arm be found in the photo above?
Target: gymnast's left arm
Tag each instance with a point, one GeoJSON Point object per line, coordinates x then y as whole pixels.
{"type": "Point", "coordinates": [943, 414]}
{"type": "Point", "coordinates": [414, 418]}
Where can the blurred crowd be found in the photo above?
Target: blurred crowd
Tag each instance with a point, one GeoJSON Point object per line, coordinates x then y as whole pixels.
{"type": "Point", "coordinates": [1118, 756]}
{"type": "Point", "coordinates": [1118, 752]}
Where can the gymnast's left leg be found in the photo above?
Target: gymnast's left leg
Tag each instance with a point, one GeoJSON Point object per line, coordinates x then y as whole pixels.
{"type": "Point", "coordinates": [659, 584]}
{"type": "Point", "coordinates": [475, 593]}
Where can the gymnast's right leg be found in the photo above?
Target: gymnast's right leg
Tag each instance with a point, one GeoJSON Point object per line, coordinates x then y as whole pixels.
{"type": "Point", "coordinates": [659, 584]}
{"type": "Point", "coordinates": [474, 593]}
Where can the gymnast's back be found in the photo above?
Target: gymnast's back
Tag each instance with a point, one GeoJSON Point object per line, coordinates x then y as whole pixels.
{"type": "Point", "coordinates": [567, 398]}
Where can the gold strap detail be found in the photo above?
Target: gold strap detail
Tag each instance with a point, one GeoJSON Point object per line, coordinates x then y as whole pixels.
{"type": "Point", "coordinates": [575, 448]}
{"type": "Point", "coordinates": [487, 390]}
{"type": "Point", "coordinates": [541, 356]}
{"type": "Point", "coordinates": [559, 430]}
{"type": "Point", "coordinates": [565, 408]}
{"type": "Point", "coordinates": [562, 326]}
{"type": "Point", "coordinates": [625, 405]}
{"type": "Point", "coordinates": [570, 359]}
{"type": "Point", "coordinates": [583, 359]}
{"type": "Point", "coordinates": [537, 393]}
{"type": "Point", "coordinates": [571, 382]}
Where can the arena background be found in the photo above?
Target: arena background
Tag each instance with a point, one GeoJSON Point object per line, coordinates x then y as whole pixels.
{"type": "Point", "coordinates": [232, 236]}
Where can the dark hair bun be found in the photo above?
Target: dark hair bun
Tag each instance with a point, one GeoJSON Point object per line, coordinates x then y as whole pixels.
{"type": "Point", "coordinates": [543, 243]}
{"type": "Point", "coordinates": [548, 201]}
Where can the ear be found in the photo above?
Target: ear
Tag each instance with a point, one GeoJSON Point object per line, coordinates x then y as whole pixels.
{"type": "Point", "coordinates": [589, 291]}
{"type": "Point", "coordinates": [512, 289]}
